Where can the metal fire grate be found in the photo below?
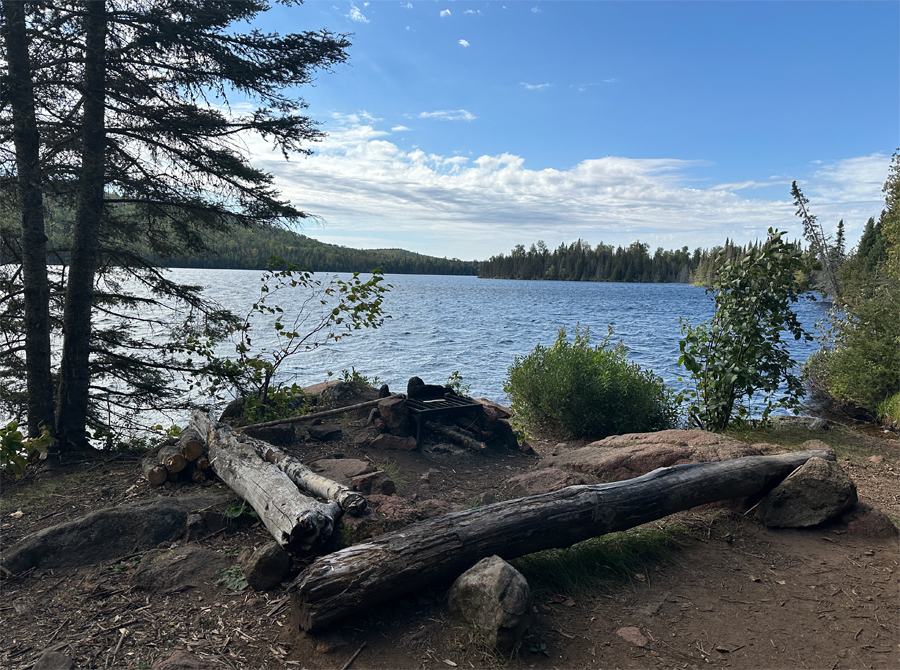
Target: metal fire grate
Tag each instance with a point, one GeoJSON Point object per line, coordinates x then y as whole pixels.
{"type": "Point", "coordinates": [422, 410]}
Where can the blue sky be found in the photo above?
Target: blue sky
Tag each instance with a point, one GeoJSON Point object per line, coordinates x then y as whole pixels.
{"type": "Point", "coordinates": [460, 129]}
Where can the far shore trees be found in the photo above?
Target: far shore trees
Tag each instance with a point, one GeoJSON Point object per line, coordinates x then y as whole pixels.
{"type": "Point", "coordinates": [133, 113]}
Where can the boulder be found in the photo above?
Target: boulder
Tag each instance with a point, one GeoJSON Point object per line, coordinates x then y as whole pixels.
{"type": "Point", "coordinates": [868, 521]}
{"type": "Point", "coordinates": [188, 564]}
{"type": "Point", "coordinates": [501, 411]}
{"type": "Point", "coordinates": [378, 483]}
{"type": "Point", "coordinates": [388, 441]}
{"type": "Point", "coordinates": [344, 394]}
{"type": "Point", "coordinates": [267, 567]}
{"type": "Point", "coordinates": [494, 597]}
{"type": "Point", "coordinates": [503, 431]}
{"type": "Point", "coordinates": [626, 456]}
{"type": "Point", "coordinates": [815, 492]}
{"type": "Point", "coordinates": [544, 481]}
{"type": "Point", "coordinates": [107, 534]}
{"type": "Point", "coordinates": [395, 415]}
{"type": "Point", "coordinates": [232, 410]}
{"type": "Point", "coordinates": [341, 470]}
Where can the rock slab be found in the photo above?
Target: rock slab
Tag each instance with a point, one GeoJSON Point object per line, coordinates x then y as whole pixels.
{"type": "Point", "coordinates": [495, 598]}
{"type": "Point", "coordinates": [813, 493]}
{"type": "Point", "coordinates": [267, 567]}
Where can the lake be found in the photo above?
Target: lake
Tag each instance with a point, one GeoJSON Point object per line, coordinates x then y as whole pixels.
{"type": "Point", "coordinates": [442, 324]}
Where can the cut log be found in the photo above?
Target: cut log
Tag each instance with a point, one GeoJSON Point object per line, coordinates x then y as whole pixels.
{"type": "Point", "coordinates": [456, 436]}
{"type": "Point", "coordinates": [350, 501]}
{"type": "Point", "coordinates": [191, 443]}
{"type": "Point", "coordinates": [155, 473]}
{"type": "Point", "coordinates": [385, 567]}
{"type": "Point", "coordinates": [319, 415]}
{"type": "Point", "coordinates": [298, 523]}
{"type": "Point", "coordinates": [170, 456]}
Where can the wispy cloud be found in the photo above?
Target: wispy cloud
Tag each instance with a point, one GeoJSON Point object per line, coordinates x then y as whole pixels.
{"type": "Point", "coordinates": [449, 115]}
{"type": "Point", "coordinates": [472, 11]}
{"type": "Point", "coordinates": [463, 43]}
{"type": "Point", "coordinates": [357, 15]}
{"type": "Point", "coordinates": [398, 129]}
{"type": "Point", "coordinates": [408, 5]}
{"type": "Point", "coordinates": [535, 10]}
{"type": "Point", "coordinates": [445, 13]}
{"type": "Point", "coordinates": [364, 184]}
{"type": "Point", "coordinates": [534, 87]}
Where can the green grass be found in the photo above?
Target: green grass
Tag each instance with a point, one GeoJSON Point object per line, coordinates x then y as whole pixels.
{"type": "Point", "coordinates": [582, 568]}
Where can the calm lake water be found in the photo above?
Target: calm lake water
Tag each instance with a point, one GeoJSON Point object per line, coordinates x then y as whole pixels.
{"type": "Point", "coordinates": [441, 324]}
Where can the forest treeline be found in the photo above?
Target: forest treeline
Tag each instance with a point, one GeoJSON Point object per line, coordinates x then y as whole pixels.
{"type": "Point", "coordinates": [579, 261]}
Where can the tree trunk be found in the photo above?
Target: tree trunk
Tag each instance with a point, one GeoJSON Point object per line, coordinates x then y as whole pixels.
{"type": "Point", "coordinates": [385, 567]}
{"type": "Point", "coordinates": [74, 373]}
{"type": "Point", "coordinates": [20, 93]}
{"type": "Point", "coordinates": [350, 501]}
{"type": "Point", "coordinates": [298, 523]}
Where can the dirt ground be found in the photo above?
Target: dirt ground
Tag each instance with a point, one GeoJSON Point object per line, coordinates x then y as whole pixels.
{"type": "Point", "coordinates": [732, 593]}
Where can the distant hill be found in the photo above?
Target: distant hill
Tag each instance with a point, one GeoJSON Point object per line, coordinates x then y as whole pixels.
{"type": "Point", "coordinates": [250, 249]}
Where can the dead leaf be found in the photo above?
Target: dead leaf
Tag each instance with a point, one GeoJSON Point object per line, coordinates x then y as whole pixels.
{"type": "Point", "coordinates": [17, 514]}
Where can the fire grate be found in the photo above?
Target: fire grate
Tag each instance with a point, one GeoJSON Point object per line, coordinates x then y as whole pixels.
{"type": "Point", "coordinates": [453, 405]}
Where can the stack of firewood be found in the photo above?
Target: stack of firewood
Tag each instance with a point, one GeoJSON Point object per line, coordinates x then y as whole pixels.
{"type": "Point", "coordinates": [184, 459]}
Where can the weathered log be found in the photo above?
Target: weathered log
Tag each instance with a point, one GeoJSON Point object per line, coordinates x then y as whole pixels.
{"type": "Point", "coordinates": [319, 415]}
{"type": "Point", "coordinates": [191, 443]}
{"type": "Point", "coordinates": [456, 436]}
{"type": "Point", "coordinates": [155, 473]}
{"type": "Point", "coordinates": [298, 523]}
{"type": "Point", "coordinates": [441, 548]}
{"type": "Point", "coordinates": [350, 501]}
{"type": "Point", "coordinates": [170, 456]}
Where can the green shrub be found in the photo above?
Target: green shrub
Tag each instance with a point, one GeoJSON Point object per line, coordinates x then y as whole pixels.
{"type": "Point", "coordinates": [574, 389]}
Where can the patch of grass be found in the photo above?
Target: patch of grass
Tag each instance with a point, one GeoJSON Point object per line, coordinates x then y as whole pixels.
{"type": "Point", "coordinates": [846, 442]}
{"type": "Point", "coordinates": [32, 496]}
{"type": "Point", "coordinates": [583, 567]}
{"type": "Point", "coordinates": [392, 470]}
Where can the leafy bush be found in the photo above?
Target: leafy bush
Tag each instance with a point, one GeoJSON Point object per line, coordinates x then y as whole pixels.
{"type": "Point", "coordinates": [578, 390]}
{"type": "Point", "coordinates": [740, 352]}
{"type": "Point", "coordinates": [16, 451]}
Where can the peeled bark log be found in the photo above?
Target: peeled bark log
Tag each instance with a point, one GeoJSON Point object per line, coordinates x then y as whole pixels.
{"type": "Point", "coordinates": [191, 443]}
{"type": "Point", "coordinates": [298, 523]}
{"type": "Point", "coordinates": [319, 415]}
{"type": "Point", "coordinates": [350, 501]}
{"type": "Point", "coordinates": [456, 436]}
{"type": "Point", "coordinates": [387, 566]}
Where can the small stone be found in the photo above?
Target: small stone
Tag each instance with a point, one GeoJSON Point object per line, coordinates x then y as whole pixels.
{"type": "Point", "coordinates": [325, 433]}
{"type": "Point", "coordinates": [53, 660]}
{"type": "Point", "coordinates": [632, 635]}
{"type": "Point", "coordinates": [374, 482]}
{"type": "Point", "coordinates": [876, 460]}
{"type": "Point", "coordinates": [267, 567]}
{"type": "Point", "coordinates": [388, 441]}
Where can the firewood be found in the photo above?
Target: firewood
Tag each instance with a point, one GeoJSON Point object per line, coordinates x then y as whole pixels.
{"type": "Point", "coordinates": [384, 568]}
{"type": "Point", "coordinates": [298, 523]}
{"type": "Point", "coordinates": [155, 473]}
{"type": "Point", "coordinates": [191, 443]}
{"type": "Point", "coordinates": [350, 501]}
{"type": "Point", "coordinates": [456, 436]}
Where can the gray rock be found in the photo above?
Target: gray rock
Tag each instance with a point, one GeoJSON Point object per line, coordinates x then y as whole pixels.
{"type": "Point", "coordinates": [267, 567]}
{"type": "Point", "coordinates": [170, 568]}
{"type": "Point", "coordinates": [813, 493]}
{"type": "Point", "coordinates": [495, 598]}
{"type": "Point", "coordinates": [341, 470]}
{"type": "Point", "coordinates": [344, 394]}
{"type": "Point", "coordinates": [107, 534]}
{"type": "Point", "coordinates": [325, 432]}
{"type": "Point", "coordinates": [53, 660]}
{"type": "Point", "coordinates": [395, 415]}
{"type": "Point", "coordinates": [817, 424]}
{"type": "Point", "coordinates": [388, 441]}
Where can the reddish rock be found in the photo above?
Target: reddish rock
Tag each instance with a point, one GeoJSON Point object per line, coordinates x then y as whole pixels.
{"type": "Point", "coordinates": [502, 412]}
{"type": "Point", "coordinates": [395, 415]}
{"type": "Point", "coordinates": [430, 508]}
{"type": "Point", "coordinates": [544, 481]}
{"type": "Point", "coordinates": [626, 456]}
{"type": "Point", "coordinates": [388, 441]}
{"type": "Point", "coordinates": [341, 470]}
{"type": "Point", "coordinates": [633, 635]}
{"type": "Point", "coordinates": [374, 482]}
{"type": "Point", "coordinates": [868, 521]}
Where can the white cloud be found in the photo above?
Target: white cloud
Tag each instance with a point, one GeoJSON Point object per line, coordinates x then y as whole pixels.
{"type": "Point", "coordinates": [356, 15]}
{"type": "Point", "coordinates": [408, 5]}
{"type": "Point", "coordinates": [463, 43]}
{"type": "Point", "coordinates": [365, 185]}
{"type": "Point", "coordinates": [398, 129]}
{"type": "Point", "coordinates": [535, 10]}
{"type": "Point", "coordinates": [448, 115]}
{"type": "Point", "coordinates": [445, 13]}
{"type": "Point", "coordinates": [534, 87]}
{"type": "Point", "coordinates": [470, 11]}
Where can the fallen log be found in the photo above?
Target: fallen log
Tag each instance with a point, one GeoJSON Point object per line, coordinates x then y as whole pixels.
{"type": "Point", "coordinates": [455, 436]}
{"type": "Point", "coordinates": [350, 501]}
{"type": "Point", "coordinates": [320, 415]}
{"type": "Point", "coordinates": [155, 473]}
{"type": "Point", "coordinates": [385, 567]}
{"type": "Point", "coordinates": [298, 523]}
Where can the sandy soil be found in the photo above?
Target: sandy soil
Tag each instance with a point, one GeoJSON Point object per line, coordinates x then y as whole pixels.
{"type": "Point", "coordinates": [732, 593]}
